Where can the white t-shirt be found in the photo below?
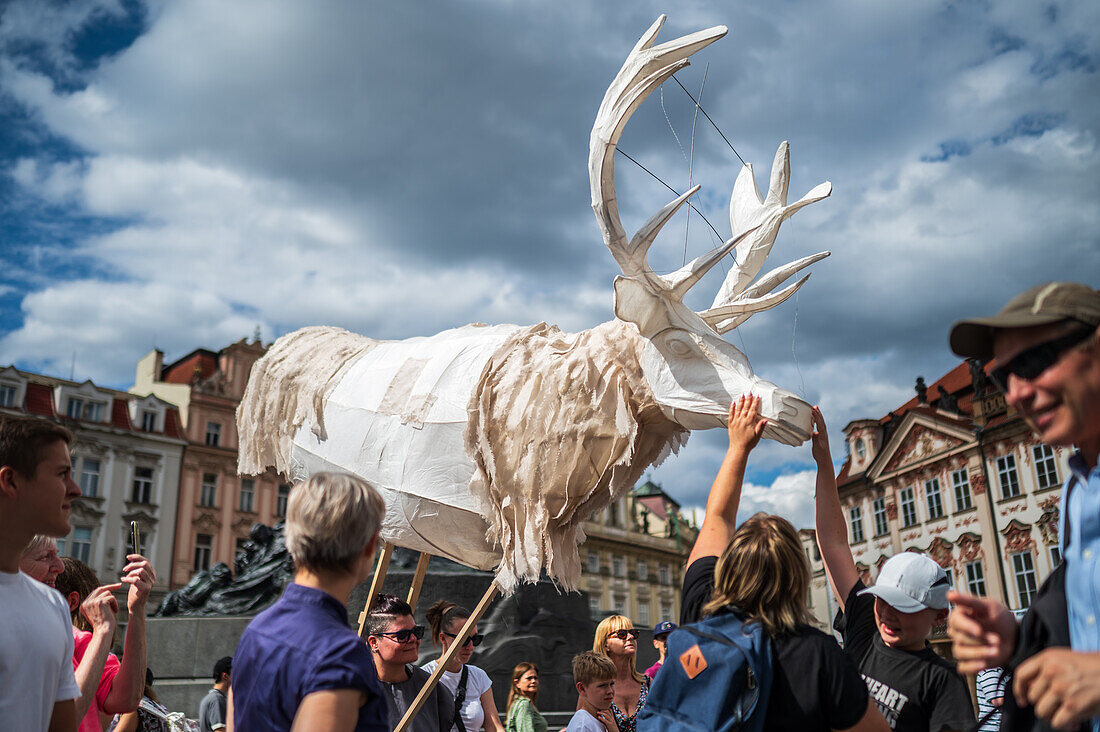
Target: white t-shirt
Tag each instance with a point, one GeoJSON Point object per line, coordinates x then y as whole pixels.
{"type": "Point", "coordinates": [36, 653]}
{"type": "Point", "coordinates": [477, 683]}
{"type": "Point", "coordinates": [582, 721]}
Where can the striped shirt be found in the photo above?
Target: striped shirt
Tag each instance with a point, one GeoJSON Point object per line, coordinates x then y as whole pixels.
{"type": "Point", "coordinates": [991, 685]}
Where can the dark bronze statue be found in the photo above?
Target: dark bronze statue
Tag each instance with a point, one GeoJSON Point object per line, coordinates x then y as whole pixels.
{"type": "Point", "coordinates": [263, 569]}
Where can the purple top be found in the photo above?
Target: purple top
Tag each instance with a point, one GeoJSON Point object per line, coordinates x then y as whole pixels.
{"type": "Point", "coordinates": [652, 670]}
{"type": "Point", "coordinates": [300, 645]}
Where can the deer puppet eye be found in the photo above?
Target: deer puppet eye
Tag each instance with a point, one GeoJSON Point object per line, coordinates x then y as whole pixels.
{"type": "Point", "coordinates": [678, 346]}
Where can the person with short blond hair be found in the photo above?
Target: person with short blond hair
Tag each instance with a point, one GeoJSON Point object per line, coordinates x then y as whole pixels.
{"type": "Point", "coordinates": [326, 678]}
{"type": "Point", "coordinates": [594, 676]}
{"type": "Point", "coordinates": [36, 492]}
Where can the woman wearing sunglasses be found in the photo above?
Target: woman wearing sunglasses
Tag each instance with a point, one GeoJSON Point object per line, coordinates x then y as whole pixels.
{"type": "Point", "coordinates": [468, 684]}
{"type": "Point", "coordinates": [522, 698]}
{"type": "Point", "coordinates": [617, 638]}
{"type": "Point", "coordinates": [394, 640]}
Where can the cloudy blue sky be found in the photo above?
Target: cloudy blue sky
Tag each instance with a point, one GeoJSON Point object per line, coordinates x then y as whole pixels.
{"type": "Point", "coordinates": [175, 174]}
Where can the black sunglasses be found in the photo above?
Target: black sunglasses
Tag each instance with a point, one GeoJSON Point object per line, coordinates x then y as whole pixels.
{"type": "Point", "coordinates": [625, 633]}
{"type": "Point", "coordinates": [475, 638]}
{"type": "Point", "coordinates": [404, 636]}
{"type": "Point", "coordinates": [1032, 362]}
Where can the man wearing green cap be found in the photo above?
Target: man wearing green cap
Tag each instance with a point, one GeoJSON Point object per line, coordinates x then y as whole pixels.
{"type": "Point", "coordinates": [1045, 351]}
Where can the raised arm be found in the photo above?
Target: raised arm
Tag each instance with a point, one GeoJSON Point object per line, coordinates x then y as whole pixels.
{"type": "Point", "coordinates": [126, 691]}
{"type": "Point", "coordinates": [832, 534]}
{"type": "Point", "coordinates": [100, 609]}
{"type": "Point", "coordinates": [745, 427]}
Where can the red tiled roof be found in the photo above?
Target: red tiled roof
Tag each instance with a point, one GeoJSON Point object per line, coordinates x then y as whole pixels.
{"type": "Point", "coordinates": [120, 413]}
{"type": "Point", "coordinates": [182, 371]}
{"type": "Point", "coordinates": [172, 423]}
{"type": "Point", "coordinates": [39, 400]}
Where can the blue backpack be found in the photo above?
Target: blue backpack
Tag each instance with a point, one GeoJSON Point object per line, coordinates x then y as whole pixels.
{"type": "Point", "coordinates": [717, 677]}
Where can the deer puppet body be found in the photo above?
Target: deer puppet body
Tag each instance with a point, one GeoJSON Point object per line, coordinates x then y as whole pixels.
{"type": "Point", "coordinates": [492, 444]}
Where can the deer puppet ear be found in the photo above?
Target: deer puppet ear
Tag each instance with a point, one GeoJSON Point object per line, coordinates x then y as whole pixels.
{"type": "Point", "coordinates": [636, 303]}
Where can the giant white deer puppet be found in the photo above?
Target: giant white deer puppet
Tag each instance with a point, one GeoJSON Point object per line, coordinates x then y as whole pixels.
{"type": "Point", "coordinates": [492, 444]}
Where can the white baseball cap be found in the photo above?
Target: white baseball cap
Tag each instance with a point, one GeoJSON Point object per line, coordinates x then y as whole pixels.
{"type": "Point", "coordinates": [911, 582]}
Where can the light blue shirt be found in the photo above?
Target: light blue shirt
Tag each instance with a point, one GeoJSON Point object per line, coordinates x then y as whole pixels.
{"type": "Point", "coordinates": [1082, 556]}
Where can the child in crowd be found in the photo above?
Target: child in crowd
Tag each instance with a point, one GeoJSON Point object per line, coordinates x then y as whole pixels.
{"type": "Point", "coordinates": [886, 627]}
{"type": "Point", "coordinates": [594, 675]}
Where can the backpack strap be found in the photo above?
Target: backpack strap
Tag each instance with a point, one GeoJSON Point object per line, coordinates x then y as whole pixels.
{"type": "Point", "coordinates": [460, 699]}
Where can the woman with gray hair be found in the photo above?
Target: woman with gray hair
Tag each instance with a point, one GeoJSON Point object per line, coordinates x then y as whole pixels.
{"type": "Point", "coordinates": [298, 663]}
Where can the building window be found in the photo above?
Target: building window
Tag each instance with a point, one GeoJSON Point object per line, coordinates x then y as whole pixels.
{"type": "Point", "coordinates": [204, 547]}
{"type": "Point", "coordinates": [143, 485]}
{"type": "Point", "coordinates": [975, 578]}
{"type": "Point", "coordinates": [666, 611]}
{"type": "Point", "coordinates": [594, 562]}
{"type": "Point", "coordinates": [613, 515]}
{"type": "Point", "coordinates": [960, 481]}
{"type": "Point", "coordinates": [594, 606]}
{"type": "Point", "coordinates": [882, 522]}
{"type": "Point", "coordinates": [148, 421]}
{"type": "Point", "coordinates": [248, 491]}
{"type": "Point", "coordinates": [280, 499]}
{"type": "Point", "coordinates": [213, 434]}
{"type": "Point", "coordinates": [619, 604]}
{"type": "Point", "coordinates": [1055, 557]}
{"type": "Point", "coordinates": [616, 565]}
{"type": "Point", "coordinates": [662, 574]}
{"type": "Point", "coordinates": [1024, 569]}
{"type": "Point", "coordinates": [84, 409]}
{"type": "Point", "coordinates": [643, 570]}
{"type": "Point", "coordinates": [208, 495]}
{"type": "Point", "coordinates": [81, 547]}
{"type": "Point", "coordinates": [1046, 472]}
{"type": "Point", "coordinates": [1006, 473]}
{"type": "Point", "coordinates": [908, 506]}
{"type": "Point", "coordinates": [855, 520]}
{"type": "Point", "coordinates": [932, 497]}
{"type": "Point", "coordinates": [89, 478]}
{"type": "Point", "coordinates": [7, 395]}
{"type": "Point", "coordinates": [643, 613]}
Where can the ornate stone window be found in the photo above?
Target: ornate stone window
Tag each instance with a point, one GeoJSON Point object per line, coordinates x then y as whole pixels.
{"type": "Point", "coordinates": [1046, 468]}
{"type": "Point", "coordinates": [643, 570]}
{"type": "Point", "coordinates": [855, 521]}
{"type": "Point", "coordinates": [594, 562]}
{"type": "Point", "coordinates": [142, 487]}
{"type": "Point", "coordinates": [975, 578]}
{"type": "Point", "coordinates": [878, 511]}
{"type": "Point", "coordinates": [80, 543]}
{"type": "Point", "coordinates": [1024, 570]}
{"type": "Point", "coordinates": [204, 549]}
{"type": "Point", "coordinates": [89, 477]}
{"type": "Point", "coordinates": [208, 492]}
{"type": "Point", "coordinates": [281, 497]}
{"type": "Point", "coordinates": [213, 434]}
{"type": "Point", "coordinates": [908, 507]}
{"type": "Point", "coordinates": [617, 566]}
{"type": "Point", "coordinates": [248, 493]}
{"type": "Point", "coordinates": [932, 498]}
{"type": "Point", "coordinates": [1008, 477]}
{"type": "Point", "coordinates": [960, 482]}
{"type": "Point", "coordinates": [12, 388]}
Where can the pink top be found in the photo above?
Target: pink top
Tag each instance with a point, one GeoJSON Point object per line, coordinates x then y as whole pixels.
{"type": "Point", "coordinates": [652, 670]}
{"type": "Point", "coordinates": [90, 723]}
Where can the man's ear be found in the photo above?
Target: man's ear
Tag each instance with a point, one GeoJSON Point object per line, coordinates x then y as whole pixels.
{"type": "Point", "coordinates": [372, 643]}
{"type": "Point", "coordinates": [74, 601]}
{"type": "Point", "coordinates": [7, 481]}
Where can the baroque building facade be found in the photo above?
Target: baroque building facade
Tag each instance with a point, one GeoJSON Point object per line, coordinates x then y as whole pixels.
{"type": "Point", "coordinates": [216, 507]}
{"type": "Point", "coordinates": [126, 457]}
{"type": "Point", "coordinates": [634, 555]}
{"type": "Point", "coordinates": [957, 474]}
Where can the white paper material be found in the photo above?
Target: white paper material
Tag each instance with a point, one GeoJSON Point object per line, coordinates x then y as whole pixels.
{"type": "Point", "coordinates": [493, 444]}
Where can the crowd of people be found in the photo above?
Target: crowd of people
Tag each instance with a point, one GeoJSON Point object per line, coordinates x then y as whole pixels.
{"type": "Point", "coordinates": [745, 650]}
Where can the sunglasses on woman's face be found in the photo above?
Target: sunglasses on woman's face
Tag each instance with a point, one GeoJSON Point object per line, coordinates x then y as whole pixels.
{"type": "Point", "coordinates": [625, 633]}
{"type": "Point", "coordinates": [1032, 362]}
{"type": "Point", "coordinates": [475, 638]}
{"type": "Point", "coordinates": [406, 635]}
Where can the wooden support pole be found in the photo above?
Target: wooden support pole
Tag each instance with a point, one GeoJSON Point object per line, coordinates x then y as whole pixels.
{"type": "Point", "coordinates": [418, 580]}
{"type": "Point", "coordinates": [376, 584]}
{"type": "Point", "coordinates": [460, 641]}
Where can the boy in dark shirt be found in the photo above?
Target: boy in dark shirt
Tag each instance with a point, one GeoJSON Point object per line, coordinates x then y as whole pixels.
{"type": "Point", "coordinates": [886, 627]}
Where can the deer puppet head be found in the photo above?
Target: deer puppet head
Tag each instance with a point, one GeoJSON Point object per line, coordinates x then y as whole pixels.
{"type": "Point", "coordinates": [695, 373]}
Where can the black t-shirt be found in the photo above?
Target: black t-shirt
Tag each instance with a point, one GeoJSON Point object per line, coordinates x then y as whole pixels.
{"type": "Point", "coordinates": [815, 685]}
{"type": "Point", "coordinates": [917, 691]}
